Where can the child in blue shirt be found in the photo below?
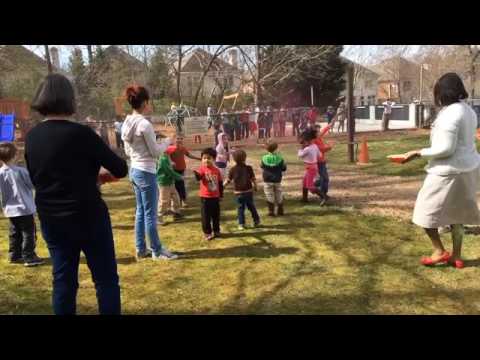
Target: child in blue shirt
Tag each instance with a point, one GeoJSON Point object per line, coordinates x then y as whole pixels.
{"type": "Point", "coordinates": [18, 206]}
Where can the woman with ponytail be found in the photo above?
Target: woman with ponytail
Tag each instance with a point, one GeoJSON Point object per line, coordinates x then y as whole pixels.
{"type": "Point", "coordinates": [144, 151]}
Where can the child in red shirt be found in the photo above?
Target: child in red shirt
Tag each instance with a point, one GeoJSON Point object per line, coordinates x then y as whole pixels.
{"type": "Point", "coordinates": [322, 161]}
{"type": "Point", "coordinates": [177, 154]}
{"type": "Point", "coordinates": [211, 191]}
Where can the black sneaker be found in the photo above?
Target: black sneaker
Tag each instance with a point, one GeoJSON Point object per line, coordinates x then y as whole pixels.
{"type": "Point", "coordinates": [178, 216]}
{"type": "Point", "coordinates": [33, 261]}
{"type": "Point", "coordinates": [144, 255]}
{"type": "Point", "coordinates": [15, 260]}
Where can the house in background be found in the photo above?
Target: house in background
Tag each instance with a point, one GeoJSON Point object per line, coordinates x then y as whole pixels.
{"type": "Point", "coordinates": [399, 80]}
{"type": "Point", "coordinates": [21, 71]}
{"type": "Point", "coordinates": [365, 84]}
{"type": "Point", "coordinates": [224, 76]}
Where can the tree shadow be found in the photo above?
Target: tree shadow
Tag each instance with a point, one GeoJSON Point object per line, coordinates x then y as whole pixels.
{"type": "Point", "coordinates": [123, 227]}
{"type": "Point", "coordinates": [126, 260]}
{"type": "Point", "coordinates": [259, 250]}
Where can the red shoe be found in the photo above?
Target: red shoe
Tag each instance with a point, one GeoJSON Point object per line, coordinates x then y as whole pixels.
{"type": "Point", "coordinates": [428, 261]}
{"type": "Point", "coordinates": [458, 264]}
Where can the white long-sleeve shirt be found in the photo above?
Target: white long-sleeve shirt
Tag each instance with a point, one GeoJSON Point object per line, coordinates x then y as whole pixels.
{"type": "Point", "coordinates": [141, 143]}
{"type": "Point", "coordinates": [452, 139]}
{"type": "Point", "coordinates": [310, 154]}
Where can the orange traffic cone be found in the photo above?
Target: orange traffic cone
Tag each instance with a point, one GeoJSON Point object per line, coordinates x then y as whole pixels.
{"type": "Point", "coordinates": [363, 157]}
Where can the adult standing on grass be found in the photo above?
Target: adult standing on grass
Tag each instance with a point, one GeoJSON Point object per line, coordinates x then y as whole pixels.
{"type": "Point", "coordinates": [64, 159]}
{"type": "Point", "coordinates": [448, 194]}
{"type": "Point", "coordinates": [387, 113]}
{"type": "Point", "coordinates": [142, 148]}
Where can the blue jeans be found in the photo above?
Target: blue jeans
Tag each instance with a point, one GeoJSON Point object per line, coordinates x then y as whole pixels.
{"type": "Point", "coordinates": [323, 177]}
{"type": "Point", "coordinates": [245, 200]}
{"type": "Point", "coordinates": [146, 194]}
{"type": "Point", "coordinates": [66, 238]}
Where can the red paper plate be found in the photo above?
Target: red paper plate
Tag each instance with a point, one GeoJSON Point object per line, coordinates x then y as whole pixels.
{"type": "Point", "coordinates": [399, 159]}
{"type": "Point", "coordinates": [105, 178]}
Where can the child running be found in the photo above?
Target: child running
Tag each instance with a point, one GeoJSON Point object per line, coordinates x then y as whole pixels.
{"type": "Point", "coordinates": [166, 178]}
{"type": "Point", "coordinates": [273, 166]}
{"type": "Point", "coordinates": [323, 180]}
{"type": "Point", "coordinates": [310, 154]}
{"type": "Point", "coordinates": [244, 183]}
{"type": "Point", "coordinates": [177, 154]}
{"type": "Point", "coordinates": [18, 206]}
{"type": "Point", "coordinates": [211, 191]}
{"type": "Point", "coordinates": [223, 154]}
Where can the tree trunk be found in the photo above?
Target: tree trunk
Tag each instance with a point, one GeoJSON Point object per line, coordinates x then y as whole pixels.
{"type": "Point", "coordinates": [257, 86]}
{"type": "Point", "coordinates": [90, 54]}
{"type": "Point", "coordinates": [47, 57]}
{"type": "Point", "coordinates": [473, 77]}
{"type": "Point", "coordinates": [179, 69]}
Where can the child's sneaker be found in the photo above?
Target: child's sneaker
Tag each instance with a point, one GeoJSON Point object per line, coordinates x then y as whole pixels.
{"type": "Point", "coordinates": [209, 237]}
{"type": "Point", "coordinates": [33, 260]}
{"type": "Point", "coordinates": [143, 255]}
{"type": "Point", "coordinates": [257, 224]}
{"type": "Point", "coordinates": [184, 205]}
{"type": "Point", "coordinates": [16, 260]}
{"type": "Point", "coordinates": [164, 254]}
{"type": "Point", "coordinates": [217, 234]}
{"type": "Point", "coordinates": [178, 216]}
{"type": "Point", "coordinates": [241, 227]}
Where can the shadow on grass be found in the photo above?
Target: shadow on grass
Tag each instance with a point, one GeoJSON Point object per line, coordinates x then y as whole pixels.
{"type": "Point", "coordinates": [123, 227]}
{"type": "Point", "coordinates": [243, 251]}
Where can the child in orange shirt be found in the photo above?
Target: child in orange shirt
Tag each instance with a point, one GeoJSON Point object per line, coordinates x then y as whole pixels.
{"type": "Point", "coordinates": [323, 178]}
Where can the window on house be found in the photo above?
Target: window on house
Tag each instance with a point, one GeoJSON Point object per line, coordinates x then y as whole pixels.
{"type": "Point", "coordinates": [407, 85]}
{"type": "Point", "coordinates": [362, 101]}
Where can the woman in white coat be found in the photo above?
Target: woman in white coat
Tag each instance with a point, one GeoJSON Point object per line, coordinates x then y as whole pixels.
{"type": "Point", "coordinates": [448, 194]}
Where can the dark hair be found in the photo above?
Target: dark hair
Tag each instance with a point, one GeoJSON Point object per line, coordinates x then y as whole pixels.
{"type": "Point", "coordinates": [136, 95]}
{"type": "Point", "coordinates": [272, 146]}
{"type": "Point", "coordinates": [8, 151]}
{"type": "Point", "coordinates": [55, 96]}
{"type": "Point", "coordinates": [309, 135]}
{"type": "Point", "coordinates": [240, 156]}
{"type": "Point", "coordinates": [449, 89]}
{"type": "Point", "coordinates": [209, 151]}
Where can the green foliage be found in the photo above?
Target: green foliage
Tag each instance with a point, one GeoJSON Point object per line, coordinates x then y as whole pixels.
{"type": "Point", "coordinates": [158, 80]}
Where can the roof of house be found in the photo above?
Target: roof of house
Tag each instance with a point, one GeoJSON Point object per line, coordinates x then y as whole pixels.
{"type": "Point", "coordinates": [386, 75]}
{"type": "Point", "coordinates": [114, 51]}
{"type": "Point", "coordinates": [18, 57]}
{"type": "Point", "coordinates": [359, 66]}
{"type": "Point", "coordinates": [198, 59]}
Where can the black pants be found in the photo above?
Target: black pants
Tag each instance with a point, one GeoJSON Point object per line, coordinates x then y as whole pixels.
{"type": "Point", "coordinates": [66, 238]}
{"type": "Point", "coordinates": [22, 237]}
{"type": "Point", "coordinates": [180, 186]}
{"type": "Point", "coordinates": [245, 130]}
{"type": "Point", "coordinates": [210, 215]}
{"type": "Point", "coordinates": [119, 140]}
{"type": "Point", "coordinates": [238, 132]}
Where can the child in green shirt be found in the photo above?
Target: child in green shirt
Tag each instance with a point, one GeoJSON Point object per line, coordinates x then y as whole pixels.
{"type": "Point", "coordinates": [166, 178]}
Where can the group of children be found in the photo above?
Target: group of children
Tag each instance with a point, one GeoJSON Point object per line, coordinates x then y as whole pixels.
{"type": "Point", "coordinates": [17, 190]}
{"type": "Point", "coordinates": [213, 177]}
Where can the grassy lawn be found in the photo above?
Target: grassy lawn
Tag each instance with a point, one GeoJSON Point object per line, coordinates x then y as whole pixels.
{"type": "Point", "coordinates": [312, 261]}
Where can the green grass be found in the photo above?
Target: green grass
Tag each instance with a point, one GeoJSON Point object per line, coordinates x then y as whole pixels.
{"type": "Point", "coordinates": [312, 261]}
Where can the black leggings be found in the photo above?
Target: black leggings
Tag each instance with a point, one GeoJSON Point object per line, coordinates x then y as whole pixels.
{"type": "Point", "coordinates": [210, 215]}
{"type": "Point", "coordinates": [180, 186]}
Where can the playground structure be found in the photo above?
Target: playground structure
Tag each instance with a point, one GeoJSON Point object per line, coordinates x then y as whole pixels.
{"type": "Point", "coordinates": [21, 111]}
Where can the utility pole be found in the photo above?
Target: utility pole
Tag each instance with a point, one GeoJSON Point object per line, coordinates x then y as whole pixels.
{"type": "Point", "coordinates": [311, 94]}
{"type": "Point", "coordinates": [47, 57]}
{"type": "Point", "coordinates": [350, 115]}
{"type": "Point", "coordinates": [421, 83]}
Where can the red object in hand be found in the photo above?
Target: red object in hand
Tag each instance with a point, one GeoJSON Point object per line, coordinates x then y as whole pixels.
{"type": "Point", "coordinates": [106, 178]}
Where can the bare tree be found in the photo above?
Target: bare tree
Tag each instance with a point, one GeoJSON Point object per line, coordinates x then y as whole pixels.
{"type": "Point", "coordinates": [206, 68]}
{"type": "Point", "coordinates": [473, 57]}
{"type": "Point", "coordinates": [47, 57]}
